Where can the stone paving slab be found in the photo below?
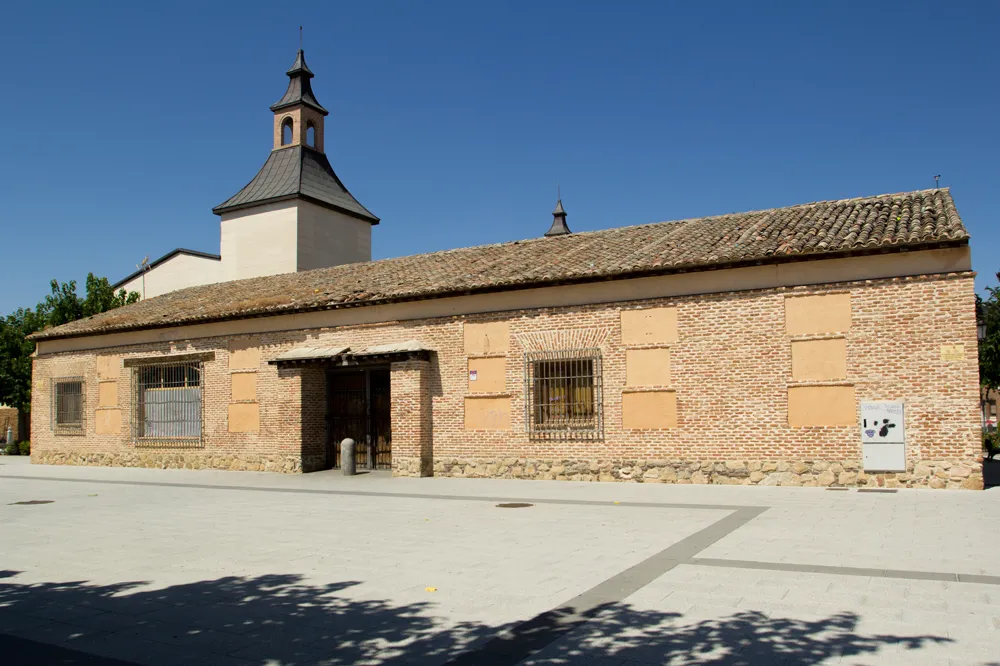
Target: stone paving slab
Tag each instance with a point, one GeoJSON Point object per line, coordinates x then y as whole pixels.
{"type": "Point", "coordinates": [683, 618]}
{"type": "Point", "coordinates": [177, 566]}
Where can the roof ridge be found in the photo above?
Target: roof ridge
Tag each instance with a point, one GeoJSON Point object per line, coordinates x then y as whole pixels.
{"type": "Point", "coordinates": [302, 153]}
{"type": "Point", "coordinates": [706, 218]}
{"type": "Point", "coordinates": [864, 198]}
{"type": "Point", "coordinates": [809, 204]}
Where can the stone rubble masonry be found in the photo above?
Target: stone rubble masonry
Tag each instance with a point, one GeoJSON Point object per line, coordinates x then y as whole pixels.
{"type": "Point", "coordinates": [808, 473]}
{"type": "Point", "coordinates": [172, 460]}
{"type": "Point", "coordinates": [730, 369]}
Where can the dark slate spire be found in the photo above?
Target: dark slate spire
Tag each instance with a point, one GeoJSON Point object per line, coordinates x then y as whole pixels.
{"type": "Point", "coordinates": [558, 227]}
{"type": "Point", "coordinates": [297, 172]}
{"type": "Point", "coordinates": [299, 89]}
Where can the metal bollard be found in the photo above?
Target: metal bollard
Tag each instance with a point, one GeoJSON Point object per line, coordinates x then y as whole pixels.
{"type": "Point", "coordinates": [347, 462]}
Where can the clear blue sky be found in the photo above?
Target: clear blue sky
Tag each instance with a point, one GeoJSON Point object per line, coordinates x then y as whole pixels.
{"type": "Point", "coordinates": [454, 121]}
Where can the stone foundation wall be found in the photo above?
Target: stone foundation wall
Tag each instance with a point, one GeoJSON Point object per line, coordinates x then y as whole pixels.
{"type": "Point", "coordinates": [172, 460]}
{"type": "Point", "coordinates": [812, 473]}
{"type": "Point", "coordinates": [408, 466]}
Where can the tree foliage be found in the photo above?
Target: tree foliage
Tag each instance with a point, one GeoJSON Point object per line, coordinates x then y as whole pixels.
{"type": "Point", "coordinates": [61, 306]}
{"type": "Point", "coordinates": [15, 356]}
{"type": "Point", "coordinates": [988, 311]}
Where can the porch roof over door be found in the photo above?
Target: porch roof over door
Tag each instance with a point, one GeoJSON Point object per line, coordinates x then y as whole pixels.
{"type": "Point", "coordinates": [338, 355]}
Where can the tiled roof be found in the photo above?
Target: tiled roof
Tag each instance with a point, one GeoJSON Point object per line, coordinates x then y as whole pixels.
{"type": "Point", "coordinates": [913, 220]}
{"type": "Point", "coordinates": [293, 172]}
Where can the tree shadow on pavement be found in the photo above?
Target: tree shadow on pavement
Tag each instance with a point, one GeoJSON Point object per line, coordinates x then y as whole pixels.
{"type": "Point", "coordinates": [282, 620]}
{"type": "Point", "coordinates": [619, 633]}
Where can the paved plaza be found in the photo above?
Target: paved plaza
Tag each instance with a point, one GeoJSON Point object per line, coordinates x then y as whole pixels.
{"type": "Point", "coordinates": [143, 566]}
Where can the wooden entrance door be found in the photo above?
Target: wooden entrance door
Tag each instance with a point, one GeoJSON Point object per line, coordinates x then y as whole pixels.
{"type": "Point", "coordinates": [358, 406]}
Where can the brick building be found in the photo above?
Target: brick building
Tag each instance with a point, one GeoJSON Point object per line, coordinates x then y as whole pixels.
{"type": "Point", "coordinates": [742, 348]}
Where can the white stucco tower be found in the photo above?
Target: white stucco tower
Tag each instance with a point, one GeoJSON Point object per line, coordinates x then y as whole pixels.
{"type": "Point", "coordinates": [295, 214]}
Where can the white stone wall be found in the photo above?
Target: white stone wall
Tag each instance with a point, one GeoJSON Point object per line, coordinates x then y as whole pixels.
{"type": "Point", "coordinates": [178, 272]}
{"type": "Point", "coordinates": [272, 239]}
{"type": "Point", "coordinates": [328, 238]}
{"type": "Point", "coordinates": [260, 241]}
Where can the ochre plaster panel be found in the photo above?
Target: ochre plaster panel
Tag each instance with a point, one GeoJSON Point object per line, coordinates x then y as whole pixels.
{"type": "Point", "coordinates": [821, 406]}
{"type": "Point", "coordinates": [819, 359]}
{"type": "Point", "coordinates": [107, 394]}
{"type": "Point", "coordinates": [487, 413]}
{"type": "Point", "coordinates": [649, 409]}
{"type": "Point", "coordinates": [487, 338]}
{"type": "Point", "coordinates": [808, 315]}
{"type": "Point", "coordinates": [244, 355]}
{"type": "Point", "coordinates": [490, 375]}
{"type": "Point", "coordinates": [651, 326]}
{"type": "Point", "coordinates": [108, 421]}
{"type": "Point", "coordinates": [244, 386]}
{"type": "Point", "coordinates": [244, 417]}
{"type": "Point", "coordinates": [108, 367]}
{"type": "Point", "coordinates": [647, 367]}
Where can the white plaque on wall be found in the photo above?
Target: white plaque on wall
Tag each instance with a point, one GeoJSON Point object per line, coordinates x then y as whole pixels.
{"type": "Point", "coordinates": [883, 436]}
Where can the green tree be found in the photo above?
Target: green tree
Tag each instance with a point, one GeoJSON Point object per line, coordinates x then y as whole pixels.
{"type": "Point", "coordinates": [101, 297]}
{"type": "Point", "coordinates": [988, 312]}
{"type": "Point", "coordinates": [61, 306]}
{"type": "Point", "coordinates": [15, 356]}
{"type": "Point", "coordinates": [64, 305]}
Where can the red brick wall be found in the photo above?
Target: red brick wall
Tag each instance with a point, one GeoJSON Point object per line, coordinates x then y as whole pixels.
{"type": "Point", "coordinates": [730, 368]}
{"type": "Point", "coordinates": [412, 417]}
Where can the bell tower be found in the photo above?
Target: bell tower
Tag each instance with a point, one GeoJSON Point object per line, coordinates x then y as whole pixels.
{"type": "Point", "coordinates": [298, 117]}
{"type": "Point", "coordinates": [295, 214]}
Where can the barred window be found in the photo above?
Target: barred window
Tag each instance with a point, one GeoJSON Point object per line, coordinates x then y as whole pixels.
{"type": "Point", "coordinates": [167, 404]}
{"type": "Point", "coordinates": [67, 404]}
{"type": "Point", "coordinates": [563, 391]}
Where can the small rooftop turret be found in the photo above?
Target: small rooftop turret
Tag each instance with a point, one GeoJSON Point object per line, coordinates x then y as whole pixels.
{"type": "Point", "coordinates": [558, 227]}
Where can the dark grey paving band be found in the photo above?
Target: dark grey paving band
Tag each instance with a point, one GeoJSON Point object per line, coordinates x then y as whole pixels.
{"type": "Point", "coordinates": [370, 493]}
{"type": "Point", "coordinates": [21, 651]}
{"type": "Point", "coordinates": [519, 643]}
{"type": "Point", "coordinates": [846, 571]}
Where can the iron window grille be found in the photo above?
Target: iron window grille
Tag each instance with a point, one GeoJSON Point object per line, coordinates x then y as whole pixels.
{"type": "Point", "coordinates": [68, 399]}
{"type": "Point", "coordinates": [563, 394]}
{"type": "Point", "coordinates": [167, 404]}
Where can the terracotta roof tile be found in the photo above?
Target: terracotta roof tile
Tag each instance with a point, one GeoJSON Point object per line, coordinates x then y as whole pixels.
{"type": "Point", "coordinates": [899, 221]}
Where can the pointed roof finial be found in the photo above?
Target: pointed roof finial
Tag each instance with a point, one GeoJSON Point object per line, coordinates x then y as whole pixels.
{"type": "Point", "coordinates": [299, 88]}
{"type": "Point", "coordinates": [559, 227]}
